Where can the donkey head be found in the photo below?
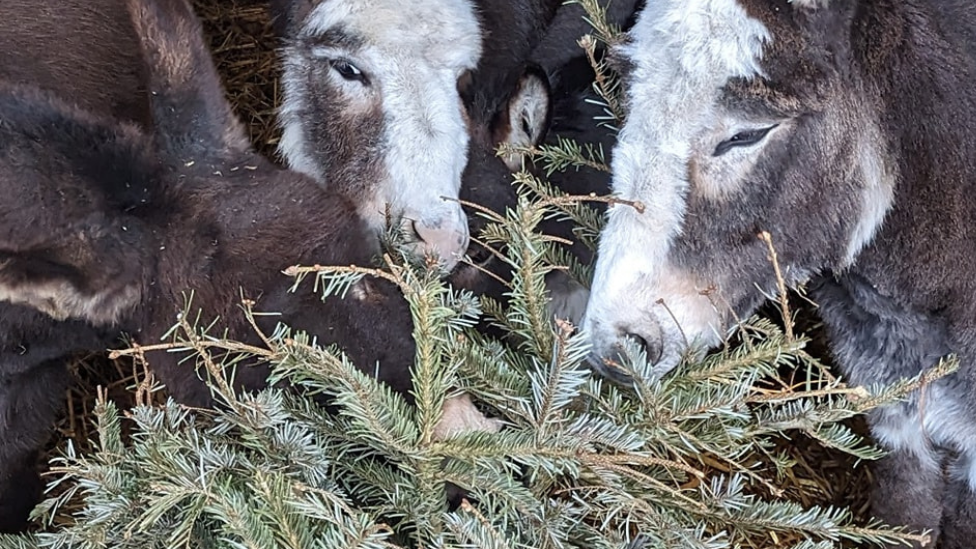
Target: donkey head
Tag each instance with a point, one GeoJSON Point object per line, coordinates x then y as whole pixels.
{"type": "Point", "coordinates": [371, 106]}
{"type": "Point", "coordinates": [744, 116]}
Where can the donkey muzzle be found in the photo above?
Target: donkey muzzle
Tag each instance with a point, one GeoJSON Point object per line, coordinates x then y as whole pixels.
{"type": "Point", "coordinates": [445, 239]}
{"type": "Point", "coordinates": [609, 360]}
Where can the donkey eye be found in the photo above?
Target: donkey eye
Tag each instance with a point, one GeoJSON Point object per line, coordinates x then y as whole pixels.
{"type": "Point", "coordinates": [348, 71]}
{"type": "Point", "coordinates": [742, 139]}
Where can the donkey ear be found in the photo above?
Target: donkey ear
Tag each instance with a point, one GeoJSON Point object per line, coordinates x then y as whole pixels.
{"type": "Point", "coordinates": [525, 119]}
{"type": "Point", "coordinates": [191, 116]}
{"type": "Point", "coordinates": [95, 275]}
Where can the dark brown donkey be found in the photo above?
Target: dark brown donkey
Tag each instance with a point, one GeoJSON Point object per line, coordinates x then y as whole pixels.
{"type": "Point", "coordinates": [103, 226]}
{"type": "Point", "coordinates": [846, 130]}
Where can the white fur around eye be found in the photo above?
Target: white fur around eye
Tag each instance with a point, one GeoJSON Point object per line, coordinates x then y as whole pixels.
{"type": "Point", "coordinates": [717, 177]}
{"type": "Point", "coordinates": [321, 52]}
{"type": "Point", "coordinates": [749, 136]}
{"type": "Point", "coordinates": [331, 57]}
{"type": "Point", "coordinates": [810, 4]}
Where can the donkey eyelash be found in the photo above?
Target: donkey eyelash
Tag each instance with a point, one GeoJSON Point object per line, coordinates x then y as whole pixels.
{"type": "Point", "coordinates": [348, 71]}
{"type": "Point", "coordinates": [743, 139]}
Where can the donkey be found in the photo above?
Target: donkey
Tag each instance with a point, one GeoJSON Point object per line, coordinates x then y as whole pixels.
{"type": "Point", "coordinates": [844, 129]}
{"type": "Point", "coordinates": [361, 75]}
{"type": "Point", "coordinates": [366, 75]}
{"type": "Point", "coordinates": [103, 226]}
{"type": "Point", "coordinates": [556, 84]}
{"type": "Point", "coordinates": [518, 119]}
{"type": "Point", "coordinates": [552, 99]}
{"type": "Point", "coordinates": [575, 117]}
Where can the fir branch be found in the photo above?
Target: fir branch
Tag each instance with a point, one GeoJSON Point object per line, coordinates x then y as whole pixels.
{"type": "Point", "coordinates": [476, 530]}
{"type": "Point", "coordinates": [606, 85]}
{"type": "Point", "coordinates": [784, 301]}
{"type": "Point", "coordinates": [554, 392]}
{"type": "Point", "coordinates": [596, 16]}
{"type": "Point", "coordinates": [565, 154]}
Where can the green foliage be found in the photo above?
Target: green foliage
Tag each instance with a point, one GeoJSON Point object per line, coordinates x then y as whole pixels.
{"type": "Point", "coordinates": [580, 462]}
{"type": "Point", "coordinates": [670, 462]}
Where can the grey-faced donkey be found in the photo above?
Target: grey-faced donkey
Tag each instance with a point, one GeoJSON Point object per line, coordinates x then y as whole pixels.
{"type": "Point", "coordinates": [847, 130]}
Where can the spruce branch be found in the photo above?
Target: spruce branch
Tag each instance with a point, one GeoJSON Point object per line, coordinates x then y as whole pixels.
{"type": "Point", "coordinates": [563, 155]}
{"type": "Point", "coordinates": [606, 85]}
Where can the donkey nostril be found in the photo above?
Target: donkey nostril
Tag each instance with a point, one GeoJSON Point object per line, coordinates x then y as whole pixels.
{"type": "Point", "coordinates": [415, 230]}
{"type": "Point", "coordinates": [446, 241]}
{"type": "Point", "coordinates": [652, 347]}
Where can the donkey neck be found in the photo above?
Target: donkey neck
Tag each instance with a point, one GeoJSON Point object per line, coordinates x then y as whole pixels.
{"type": "Point", "coordinates": [924, 77]}
{"type": "Point", "coordinates": [241, 222]}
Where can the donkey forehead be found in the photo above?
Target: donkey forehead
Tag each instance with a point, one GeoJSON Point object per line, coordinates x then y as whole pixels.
{"type": "Point", "coordinates": [680, 55]}
{"type": "Point", "coordinates": [445, 33]}
{"type": "Point", "coordinates": [744, 48]}
{"type": "Point", "coordinates": [702, 43]}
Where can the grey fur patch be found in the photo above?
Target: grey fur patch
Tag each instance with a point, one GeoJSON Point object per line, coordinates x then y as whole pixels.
{"type": "Point", "coordinates": [62, 301]}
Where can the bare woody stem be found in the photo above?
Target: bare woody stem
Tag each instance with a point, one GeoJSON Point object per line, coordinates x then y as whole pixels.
{"type": "Point", "coordinates": [784, 298]}
{"type": "Point", "coordinates": [592, 197]}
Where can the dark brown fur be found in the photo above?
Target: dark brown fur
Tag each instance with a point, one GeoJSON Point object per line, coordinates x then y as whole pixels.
{"type": "Point", "coordinates": [909, 295]}
{"type": "Point", "coordinates": [188, 208]}
{"type": "Point", "coordinates": [85, 50]}
{"type": "Point", "coordinates": [512, 29]}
